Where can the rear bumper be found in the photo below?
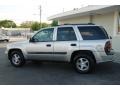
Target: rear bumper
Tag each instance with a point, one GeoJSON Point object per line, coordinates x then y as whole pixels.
{"type": "Point", "coordinates": [107, 58]}
{"type": "Point", "coordinates": [102, 57]}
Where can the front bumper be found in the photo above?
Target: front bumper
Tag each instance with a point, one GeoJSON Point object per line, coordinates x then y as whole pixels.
{"type": "Point", "coordinates": [6, 53]}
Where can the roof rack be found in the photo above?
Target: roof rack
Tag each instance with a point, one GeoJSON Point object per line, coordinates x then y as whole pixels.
{"type": "Point", "coordinates": [81, 24]}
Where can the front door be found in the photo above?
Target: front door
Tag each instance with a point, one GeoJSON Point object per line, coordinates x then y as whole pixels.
{"type": "Point", "coordinates": [42, 46]}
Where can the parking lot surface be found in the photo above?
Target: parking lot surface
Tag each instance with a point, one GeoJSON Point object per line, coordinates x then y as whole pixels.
{"type": "Point", "coordinates": [51, 73]}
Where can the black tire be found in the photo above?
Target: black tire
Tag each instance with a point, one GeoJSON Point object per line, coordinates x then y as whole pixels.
{"type": "Point", "coordinates": [90, 63]}
{"type": "Point", "coordinates": [21, 60]}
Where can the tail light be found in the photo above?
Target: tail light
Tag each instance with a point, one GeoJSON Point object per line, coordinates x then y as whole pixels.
{"type": "Point", "coordinates": [108, 47]}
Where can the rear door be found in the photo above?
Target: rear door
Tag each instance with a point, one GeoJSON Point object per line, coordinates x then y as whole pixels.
{"type": "Point", "coordinates": [65, 43]}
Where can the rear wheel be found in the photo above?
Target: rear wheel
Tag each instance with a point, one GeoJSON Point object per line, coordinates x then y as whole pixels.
{"type": "Point", "coordinates": [84, 63]}
{"type": "Point", "coordinates": [17, 59]}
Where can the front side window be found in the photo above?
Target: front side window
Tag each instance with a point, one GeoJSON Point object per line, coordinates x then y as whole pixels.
{"type": "Point", "coordinates": [66, 34]}
{"type": "Point", "coordinates": [45, 35]}
{"type": "Point", "coordinates": [93, 33]}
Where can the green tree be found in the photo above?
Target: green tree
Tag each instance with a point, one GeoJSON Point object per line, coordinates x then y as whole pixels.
{"type": "Point", "coordinates": [54, 23]}
{"type": "Point", "coordinates": [7, 24]}
{"type": "Point", "coordinates": [26, 24]}
{"type": "Point", "coordinates": [44, 25]}
{"type": "Point", "coordinates": [35, 26]}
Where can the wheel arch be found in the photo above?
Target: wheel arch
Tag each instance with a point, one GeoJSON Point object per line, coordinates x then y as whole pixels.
{"type": "Point", "coordinates": [15, 49]}
{"type": "Point", "coordinates": [88, 52]}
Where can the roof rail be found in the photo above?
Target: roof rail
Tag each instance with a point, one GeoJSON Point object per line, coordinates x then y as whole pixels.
{"type": "Point", "coordinates": [81, 24]}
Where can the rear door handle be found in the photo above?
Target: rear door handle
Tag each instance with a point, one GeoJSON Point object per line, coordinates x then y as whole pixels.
{"type": "Point", "coordinates": [48, 45]}
{"type": "Point", "coordinates": [73, 45]}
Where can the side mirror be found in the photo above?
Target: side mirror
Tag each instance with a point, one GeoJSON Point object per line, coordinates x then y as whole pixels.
{"type": "Point", "coordinates": [31, 40]}
{"type": "Point", "coordinates": [110, 37]}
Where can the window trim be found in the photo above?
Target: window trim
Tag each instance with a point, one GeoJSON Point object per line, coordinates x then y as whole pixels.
{"type": "Point", "coordinates": [65, 40]}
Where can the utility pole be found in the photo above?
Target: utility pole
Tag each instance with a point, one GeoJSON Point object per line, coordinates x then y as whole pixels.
{"type": "Point", "coordinates": [40, 16]}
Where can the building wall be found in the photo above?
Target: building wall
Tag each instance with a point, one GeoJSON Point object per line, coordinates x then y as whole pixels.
{"type": "Point", "coordinates": [76, 20]}
{"type": "Point", "coordinates": [105, 20]}
{"type": "Point", "coordinates": [116, 35]}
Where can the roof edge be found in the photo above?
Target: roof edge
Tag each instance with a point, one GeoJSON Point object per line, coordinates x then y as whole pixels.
{"type": "Point", "coordinates": [79, 11]}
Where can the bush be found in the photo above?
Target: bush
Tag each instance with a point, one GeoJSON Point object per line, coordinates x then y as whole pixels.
{"type": "Point", "coordinates": [35, 26]}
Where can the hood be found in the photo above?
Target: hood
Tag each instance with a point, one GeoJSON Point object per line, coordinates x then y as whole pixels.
{"type": "Point", "coordinates": [16, 44]}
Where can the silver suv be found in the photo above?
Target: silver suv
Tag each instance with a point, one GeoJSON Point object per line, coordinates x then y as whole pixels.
{"type": "Point", "coordinates": [83, 45]}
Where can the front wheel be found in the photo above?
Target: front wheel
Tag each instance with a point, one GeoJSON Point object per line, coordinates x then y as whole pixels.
{"type": "Point", "coordinates": [84, 63]}
{"type": "Point", "coordinates": [17, 59]}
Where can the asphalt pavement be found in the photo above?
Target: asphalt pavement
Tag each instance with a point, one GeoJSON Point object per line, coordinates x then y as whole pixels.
{"type": "Point", "coordinates": [52, 73]}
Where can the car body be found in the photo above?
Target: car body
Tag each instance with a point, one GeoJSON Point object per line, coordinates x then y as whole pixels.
{"type": "Point", "coordinates": [3, 37]}
{"type": "Point", "coordinates": [84, 45]}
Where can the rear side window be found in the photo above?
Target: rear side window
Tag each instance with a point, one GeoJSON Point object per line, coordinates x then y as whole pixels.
{"type": "Point", "coordinates": [93, 33]}
{"type": "Point", "coordinates": [66, 34]}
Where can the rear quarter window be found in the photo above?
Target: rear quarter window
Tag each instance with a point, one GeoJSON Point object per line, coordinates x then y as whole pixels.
{"type": "Point", "coordinates": [93, 33]}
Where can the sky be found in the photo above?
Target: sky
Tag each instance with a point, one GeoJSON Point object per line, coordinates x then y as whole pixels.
{"type": "Point", "coordinates": [28, 10]}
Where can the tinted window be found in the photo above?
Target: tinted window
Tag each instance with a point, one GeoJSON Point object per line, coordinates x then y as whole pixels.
{"type": "Point", "coordinates": [66, 34]}
{"type": "Point", "coordinates": [93, 33]}
{"type": "Point", "coordinates": [44, 35]}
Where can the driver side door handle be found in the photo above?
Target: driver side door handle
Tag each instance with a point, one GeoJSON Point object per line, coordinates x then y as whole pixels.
{"type": "Point", "coordinates": [73, 44]}
{"type": "Point", "coordinates": [48, 45]}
